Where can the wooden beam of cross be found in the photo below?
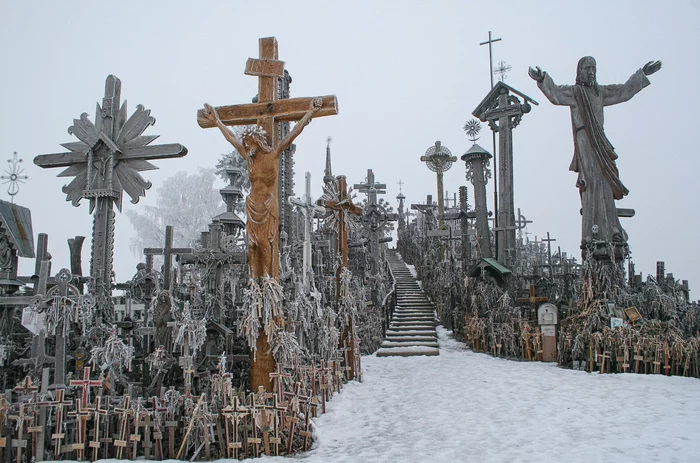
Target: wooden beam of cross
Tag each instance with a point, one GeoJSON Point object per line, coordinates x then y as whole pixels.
{"type": "Point", "coordinates": [105, 163]}
{"type": "Point", "coordinates": [262, 149]}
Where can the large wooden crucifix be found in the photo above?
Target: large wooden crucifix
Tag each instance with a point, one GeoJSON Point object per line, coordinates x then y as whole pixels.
{"type": "Point", "coordinates": [261, 147]}
{"type": "Point", "coordinates": [105, 163]}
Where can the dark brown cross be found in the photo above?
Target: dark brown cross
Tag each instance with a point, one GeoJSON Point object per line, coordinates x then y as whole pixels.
{"type": "Point", "coordinates": [344, 206]}
{"type": "Point", "coordinates": [533, 300]}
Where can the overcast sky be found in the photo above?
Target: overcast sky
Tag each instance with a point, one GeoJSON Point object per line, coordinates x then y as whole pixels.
{"type": "Point", "coordinates": [406, 74]}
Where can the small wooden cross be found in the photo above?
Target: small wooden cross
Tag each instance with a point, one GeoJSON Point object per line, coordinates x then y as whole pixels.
{"type": "Point", "coordinates": [25, 387]}
{"type": "Point", "coordinates": [277, 378]}
{"type": "Point", "coordinates": [533, 300]}
{"type": "Point", "coordinates": [58, 434]}
{"type": "Point", "coordinates": [85, 385]}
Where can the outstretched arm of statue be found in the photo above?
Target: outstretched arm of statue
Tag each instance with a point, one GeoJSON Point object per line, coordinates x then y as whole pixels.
{"type": "Point", "coordinates": [651, 67]}
{"type": "Point", "coordinates": [316, 104]}
{"type": "Point", "coordinates": [562, 95]}
{"type": "Point", "coordinates": [211, 114]}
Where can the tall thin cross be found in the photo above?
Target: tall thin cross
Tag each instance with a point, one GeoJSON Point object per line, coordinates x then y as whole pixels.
{"type": "Point", "coordinates": [549, 253]}
{"type": "Point", "coordinates": [262, 149]}
{"type": "Point", "coordinates": [106, 163]}
{"type": "Point", "coordinates": [400, 183]}
{"type": "Point", "coordinates": [490, 41]}
{"type": "Point", "coordinates": [310, 210]}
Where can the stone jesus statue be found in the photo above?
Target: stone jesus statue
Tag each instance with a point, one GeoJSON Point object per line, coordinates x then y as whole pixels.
{"type": "Point", "coordinates": [594, 156]}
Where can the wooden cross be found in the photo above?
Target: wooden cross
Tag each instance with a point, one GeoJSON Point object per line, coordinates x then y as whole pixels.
{"type": "Point", "coordinates": [233, 414]}
{"type": "Point", "coordinates": [125, 411]}
{"type": "Point", "coordinates": [99, 414]}
{"type": "Point", "coordinates": [277, 378]}
{"type": "Point", "coordinates": [58, 434]}
{"type": "Point", "coordinates": [158, 412]}
{"type": "Point", "coordinates": [106, 163]}
{"type": "Point", "coordinates": [19, 443]}
{"type": "Point", "coordinates": [85, 385]}
{"type": "Point", "coordinates": [533, 300]}
{"type": "Point", "coordinates": [81, 415]}
{"type": "Point", "coordinates": [344, 206]}
{"type": "Point", "coordinates": [168, 251]}
{"type": "Point", "coordinates": [25, 387]}
{"type": "Point", "coordinates": [262, 149]}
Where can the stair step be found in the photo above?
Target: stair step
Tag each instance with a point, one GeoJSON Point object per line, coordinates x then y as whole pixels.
{"type": "Point", "coordinates": [407, 351]}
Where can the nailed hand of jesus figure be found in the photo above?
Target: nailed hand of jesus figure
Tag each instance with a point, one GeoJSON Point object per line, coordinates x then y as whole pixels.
{"type": "Point", "coordinates": [211, 114]}
{"type": "Point", "coordinates": [651, 67]}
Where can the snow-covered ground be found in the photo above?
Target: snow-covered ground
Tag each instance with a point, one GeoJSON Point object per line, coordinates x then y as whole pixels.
{"type": "Point", "coordinates": [462, 406]}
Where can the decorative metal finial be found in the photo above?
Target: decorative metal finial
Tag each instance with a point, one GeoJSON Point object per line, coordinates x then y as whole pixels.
{"type": "Point", "coordinates": [502, 69]}
{"type": "Point", "coordinates": [400, 183]}
{"type": "Point", "coordinates": [14, 176]}
{"type": "Point", "coordinates": [472, 127]}
{"type": "Point", "coordinates": [329, 140]}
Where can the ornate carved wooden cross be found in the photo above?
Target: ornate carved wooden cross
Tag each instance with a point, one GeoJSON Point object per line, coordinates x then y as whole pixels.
{"type": "Point", "coordinates": [262, 149]}
{"type": "Point", "coordinates": [105, 163]}
{"type": "Point", "coordinates": [375, 218]}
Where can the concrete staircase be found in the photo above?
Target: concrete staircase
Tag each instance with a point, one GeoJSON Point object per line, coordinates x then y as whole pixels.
{"type": "Point", "coordinates": [412, 328]}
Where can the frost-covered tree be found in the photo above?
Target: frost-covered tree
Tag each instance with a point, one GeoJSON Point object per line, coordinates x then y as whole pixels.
{"type": "Point", "coordinates": [187, 201]}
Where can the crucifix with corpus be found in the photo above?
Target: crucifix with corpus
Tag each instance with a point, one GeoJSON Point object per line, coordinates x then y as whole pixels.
{"type": "Point", "coordinates": [261, 147]}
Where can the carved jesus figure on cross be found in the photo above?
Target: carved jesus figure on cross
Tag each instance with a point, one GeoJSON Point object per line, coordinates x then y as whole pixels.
{"type": "Point", "coordinates": [263, 165]}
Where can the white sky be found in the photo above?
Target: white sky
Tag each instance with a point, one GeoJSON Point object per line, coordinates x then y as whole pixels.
{"type": "Point", "coordinates": [406, 73]}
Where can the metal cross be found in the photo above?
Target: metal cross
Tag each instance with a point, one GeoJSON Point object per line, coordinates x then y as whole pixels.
{"type": "Point", "coordinates": [14, 176]}
{"type": "Point", "coordinates": [489, 42]}
{"type": "Point", "coordinates": [502, 70]}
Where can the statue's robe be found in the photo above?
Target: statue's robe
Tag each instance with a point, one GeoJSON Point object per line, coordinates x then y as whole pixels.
{"type": "Point", "coordinates": [594, 157]}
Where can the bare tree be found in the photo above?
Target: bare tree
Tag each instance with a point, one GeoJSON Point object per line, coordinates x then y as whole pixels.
{"type": "Point", "coordinates": [186, 201]}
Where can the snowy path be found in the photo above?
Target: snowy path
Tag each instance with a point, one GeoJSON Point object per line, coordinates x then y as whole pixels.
{"type": "Point", "coordinates": [463, 406]}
